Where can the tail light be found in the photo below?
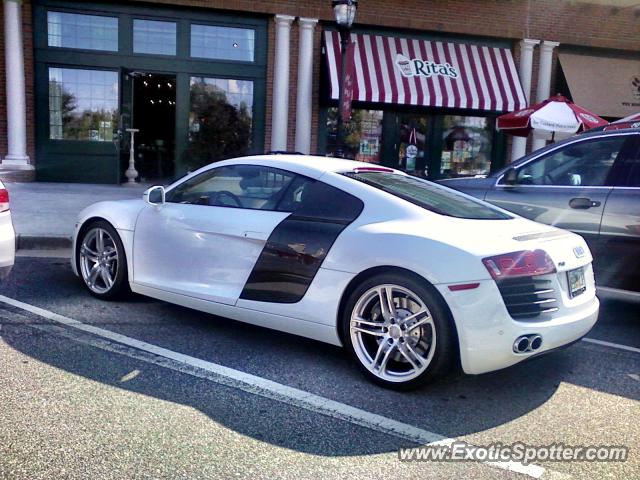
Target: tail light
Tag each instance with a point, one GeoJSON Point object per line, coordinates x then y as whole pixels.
{"type": "Point", "coordinates": [4, 200]}
{"type": "Point", "coordinates": [519, 264]}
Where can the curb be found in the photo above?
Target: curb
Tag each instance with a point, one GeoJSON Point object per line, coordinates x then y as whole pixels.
{"type": "Point", "coordinates": [43, 242]}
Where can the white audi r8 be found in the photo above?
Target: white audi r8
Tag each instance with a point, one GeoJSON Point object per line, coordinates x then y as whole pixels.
{"type": "Point", "coordinates": [411, 277]}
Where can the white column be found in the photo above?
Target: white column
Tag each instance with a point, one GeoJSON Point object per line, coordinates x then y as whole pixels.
{"type": "Point", "coordinates": [543, 90]}
{"type": "Point", "coordinates": [519, 146]}
{"type": "Point", "coordinates": [16, 158]}
{"type": "Point", "coordinates": [305, 85]}
{"type": "Point", "coordinates": [280, 108]}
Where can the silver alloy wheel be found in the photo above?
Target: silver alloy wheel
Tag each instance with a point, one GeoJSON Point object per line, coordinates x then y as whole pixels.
{"type": "Point", "coordinates": [98, 260]}
{"type": "Point", "coordinates": [393, 333]}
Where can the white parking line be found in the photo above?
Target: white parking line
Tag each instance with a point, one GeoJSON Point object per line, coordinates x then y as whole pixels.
{"type": "Point", "coordinates": [612, 345]}
{"type": "Point", "coordinates": [259, 386]}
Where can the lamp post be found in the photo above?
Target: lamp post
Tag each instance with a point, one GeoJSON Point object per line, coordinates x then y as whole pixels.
{"type": "Point", "coordinates": [344, 12]}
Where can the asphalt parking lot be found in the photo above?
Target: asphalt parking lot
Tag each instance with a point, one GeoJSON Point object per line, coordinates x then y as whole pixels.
{"type": "Point", "coordinates": [89, 400]}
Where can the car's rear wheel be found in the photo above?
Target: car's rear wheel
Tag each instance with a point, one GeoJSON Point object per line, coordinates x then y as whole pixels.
{"type": "Point", "coordinates": [101, 260]}
{"type": "Point", "coordinates": [398, 330]}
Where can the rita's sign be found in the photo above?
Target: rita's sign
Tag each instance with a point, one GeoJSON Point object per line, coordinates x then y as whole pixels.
{"type": "Point", "coordinates": [418, 67]}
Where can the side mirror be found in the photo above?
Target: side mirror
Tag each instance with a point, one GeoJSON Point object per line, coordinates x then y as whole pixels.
{"type": "Point", "coordinates": [510, 177]}
{"type": "Point", "coordinates": [154, 195]}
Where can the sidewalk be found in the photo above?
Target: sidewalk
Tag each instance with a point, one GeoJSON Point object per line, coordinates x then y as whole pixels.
{"type": "Point", "coordinates": [44, 214]}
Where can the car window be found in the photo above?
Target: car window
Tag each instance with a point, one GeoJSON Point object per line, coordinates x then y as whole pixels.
{"type": "Point", "coordinates": [294, 194]}
{"type": "Point", "coordinates": [626, 171]}
{"type": "Point", "coordinates": [587, 163]}
{"type": "Point", "coordinates": [319, 201]}
{"type": "Point", "coordinates": [430, 196]}
{"type": "Point", "coordinates": [238, 186]}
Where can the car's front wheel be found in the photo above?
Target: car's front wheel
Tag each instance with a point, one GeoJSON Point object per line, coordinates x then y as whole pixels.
{"type": "Point", "coordinates": [398, 330]}
{"type": "Point", "coordinates": [101, 260]}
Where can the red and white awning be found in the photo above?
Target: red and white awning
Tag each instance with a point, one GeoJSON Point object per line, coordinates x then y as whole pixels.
{"type": "Point", "coordinates": [433, 74]}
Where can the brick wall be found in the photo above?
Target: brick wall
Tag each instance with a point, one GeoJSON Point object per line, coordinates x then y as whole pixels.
{"type": "Point", "coordinates": [570, 22]}
{"type": "Point", "coordinates": [566, 21]}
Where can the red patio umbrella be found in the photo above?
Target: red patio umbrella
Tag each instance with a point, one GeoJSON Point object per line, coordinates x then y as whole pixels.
{"type": "Point", "coordinates": [555, 117]}
{"type": "Point", "coordinates": [632, 121]}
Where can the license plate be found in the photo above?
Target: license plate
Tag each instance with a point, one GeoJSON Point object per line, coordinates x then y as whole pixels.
{"type": "Point", "coordinates": [577, 285]}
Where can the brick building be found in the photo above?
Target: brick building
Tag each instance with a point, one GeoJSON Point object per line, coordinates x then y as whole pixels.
{"type": "Point", "coordinates": [203, 80]}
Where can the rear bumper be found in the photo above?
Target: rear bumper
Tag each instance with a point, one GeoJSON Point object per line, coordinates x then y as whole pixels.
{"type": "Point", "coordinates": [486, 331]}
{"type": "Point", "coordinates": [7, 244]}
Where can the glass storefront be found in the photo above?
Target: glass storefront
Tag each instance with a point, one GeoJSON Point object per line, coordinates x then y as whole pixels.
{"type": "Point", "coordinates": [427, 145]}
{"type": "Point", "coordinates": [434, 100]}
{"type": "Point", "coordinates": [466, 146]}
{"type": "Point", "coordinates": [191, 82]}
{"type": "Point", "coordinates": [413, 143]}
{"type": "Point", "coordinates": [363, 134]}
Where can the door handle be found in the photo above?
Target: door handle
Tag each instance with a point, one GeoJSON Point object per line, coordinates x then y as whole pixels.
{"type": "Point", "coordinates": [583, 203]}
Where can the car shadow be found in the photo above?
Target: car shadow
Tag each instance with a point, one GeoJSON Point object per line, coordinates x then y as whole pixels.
{"type": "Point", "coordinates": [456, 406]}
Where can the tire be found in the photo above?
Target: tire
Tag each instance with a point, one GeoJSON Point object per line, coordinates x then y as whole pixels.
{"type": "Point", "coordinates": [102, 266]}
{"type": "Point", "coordinates": [405, 349]}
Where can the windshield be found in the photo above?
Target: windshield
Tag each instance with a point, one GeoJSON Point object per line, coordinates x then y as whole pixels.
{"type": "Point", "coordinates": [430, 196]}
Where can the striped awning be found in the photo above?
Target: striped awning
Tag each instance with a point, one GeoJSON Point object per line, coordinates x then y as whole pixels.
{"type": "Point", "coordinates": [432, 74]}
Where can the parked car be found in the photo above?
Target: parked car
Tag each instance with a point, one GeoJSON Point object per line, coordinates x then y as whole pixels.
{"type": "Point", "coordinates": [408, 275]}
{"type": "Point", "coordinates": [7, 235]}
{"type": "Point", "coordinates": [589, 184]}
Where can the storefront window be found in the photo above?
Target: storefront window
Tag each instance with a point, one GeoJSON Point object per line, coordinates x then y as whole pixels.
{"type": "Point", "coordinates": [220, 120]}
{"type": "Point", "coordinates": [413, 145]}
{"type": "Point", "coordinates": [363, 134]}
{"type": "Point", "coordinates": [89, 32]}
{"type": "Point", "coordinates": [83, 104]}
{"type": "Point", "coordinates": [466, 146]}
{"type": "Point", "coordinates": [222, 43]}
{"type": "Point", "coordinates": [151, 36]}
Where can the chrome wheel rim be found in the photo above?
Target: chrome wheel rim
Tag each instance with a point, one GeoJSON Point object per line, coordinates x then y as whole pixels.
{"type": "Point", "coordinates": [393, 333]}
{"type": "Point", "coordinates": [98, 260]}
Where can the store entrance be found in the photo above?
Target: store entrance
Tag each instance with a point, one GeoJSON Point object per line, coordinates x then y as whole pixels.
{"type": "Point", "coordinates": [149, 100]}
{"type": "Point", "coordinates": [413, 131]}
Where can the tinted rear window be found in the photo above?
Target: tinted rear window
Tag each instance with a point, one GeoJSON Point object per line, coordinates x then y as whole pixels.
{"type": "Point", "coordinates": [429, 196]}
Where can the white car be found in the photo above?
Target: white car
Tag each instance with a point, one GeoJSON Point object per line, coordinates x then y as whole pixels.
{"type": "Point", "coordinates": [410, 276]}
{"type": "Point", "coordinates": [7, 235]}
